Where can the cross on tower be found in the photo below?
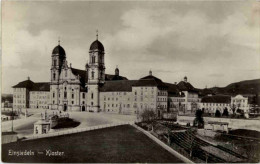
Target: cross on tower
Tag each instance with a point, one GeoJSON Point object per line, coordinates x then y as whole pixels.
{"type": "Point", "coordinates": [97, 34]}
{"type": "Point", "coordinates": [59, 41]}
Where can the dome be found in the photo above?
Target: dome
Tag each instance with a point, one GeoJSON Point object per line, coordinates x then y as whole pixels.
{"type": "Point", "coordinates": [59, 50]}
{"type": "Point", "coordinates": [97, 45]}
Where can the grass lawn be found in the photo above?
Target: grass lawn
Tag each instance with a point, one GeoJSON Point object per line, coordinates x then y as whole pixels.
{"type": "Point", "coordinates": [116, 144]}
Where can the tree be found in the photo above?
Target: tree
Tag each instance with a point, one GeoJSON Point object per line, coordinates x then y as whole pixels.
{"type": "Point", "coordinates": [225, 112]}
{"type": "Point", "coordinates": [233, 107]}
{"type": "Point", "coordinates": [217, 114]}
{"type": "Point", "coordinates": [148, 115]}
{"type": "Point", "coordinates": [198, 121]}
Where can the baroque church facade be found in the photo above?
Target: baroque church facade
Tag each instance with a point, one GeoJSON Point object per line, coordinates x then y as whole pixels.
{"type": "Point", "coordinates": [93, 90]}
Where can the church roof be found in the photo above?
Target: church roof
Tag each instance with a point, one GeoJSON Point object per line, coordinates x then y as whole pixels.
{"type": "Point", "coordinates": [216, 99]}
{"type": "Point", "coordinates": [118, 86]}
{"type": "Point", "coordinates": [82, 74]}
{"type": "Point", "coordinates": [96, 45]}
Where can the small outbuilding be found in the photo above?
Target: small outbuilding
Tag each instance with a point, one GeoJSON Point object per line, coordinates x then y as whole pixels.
{"type": "Point", "coordinates": [217, 126]}
{"type": "Point", "coordinates": [42, 127]}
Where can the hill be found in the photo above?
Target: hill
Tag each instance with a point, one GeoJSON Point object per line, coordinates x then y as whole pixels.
{"type": "Point", "coordinates": [250, 88]}
{"type": "Point", "coordinates": [247, 87]}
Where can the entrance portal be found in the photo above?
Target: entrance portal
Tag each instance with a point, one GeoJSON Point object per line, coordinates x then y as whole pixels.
{"type": "Point", "coordinates": [83, 108]}
{"type": "Point", "coordinates": [65, 107]}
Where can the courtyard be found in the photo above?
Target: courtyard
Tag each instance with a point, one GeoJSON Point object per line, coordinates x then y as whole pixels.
{"type": "Point", "coordinates": [117, 144]}
{"type": "Point", "coordinates": [24, 126]}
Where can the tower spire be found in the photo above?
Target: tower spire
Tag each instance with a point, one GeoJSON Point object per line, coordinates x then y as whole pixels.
{"type": "Point", "coordinates": [59, 41]}
{"type": "Point", "coordinates": [97, 34]}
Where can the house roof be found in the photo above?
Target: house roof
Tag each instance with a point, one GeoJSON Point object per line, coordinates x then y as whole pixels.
{"type": "Point", "coordinates": [43, 86]}
{"type": "Point", "coordinates": [186, 86]}
{"type": "Point", "coordinates": [119, 85]}
{"type": "Point", "coordinates": [109, 77]}
{"type": "Point", "coordinates": [150, 81]}
{"type": "Point", "coordinates": [216, 99]}
{"type": "Point", "coordinates": [28, 84]}
{"type": "Point", "coordinates": [173, 90]}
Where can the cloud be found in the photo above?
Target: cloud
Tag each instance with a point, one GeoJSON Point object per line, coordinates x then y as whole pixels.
{"type": "Point", "coordinates": [200, 40]}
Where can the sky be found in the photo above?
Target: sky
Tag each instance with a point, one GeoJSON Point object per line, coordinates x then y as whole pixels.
{"type": "Point", "coordinates": [213, 43]}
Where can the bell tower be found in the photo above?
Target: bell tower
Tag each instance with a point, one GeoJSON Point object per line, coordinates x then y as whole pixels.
{"type": "Point", "coordinates": [58, 57]}
{"type": "Point", "coordinates": [96, 74]}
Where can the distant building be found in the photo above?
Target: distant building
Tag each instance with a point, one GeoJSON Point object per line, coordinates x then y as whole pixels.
{"type": "Point", "coordinates": [240, 102]}
{"type": "Point", "coordinates": [216, 102]}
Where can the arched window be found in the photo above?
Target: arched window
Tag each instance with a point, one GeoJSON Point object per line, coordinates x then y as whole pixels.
{"type": "Point", "coordinates": [83, 95]}
{"type": "Point", "coordinates": [92, 95]}
{"type": "Point", "coordinates": [54, 62]}
{"type": "Point", "coordinates": [54, 76]}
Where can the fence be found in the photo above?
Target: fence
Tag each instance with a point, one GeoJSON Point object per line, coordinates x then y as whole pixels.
{"type": "Point", "coordinates": [76, 130]}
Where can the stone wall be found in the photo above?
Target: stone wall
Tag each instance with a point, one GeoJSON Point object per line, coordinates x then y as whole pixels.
{"type": "Point", "coordinates": [251, 124]}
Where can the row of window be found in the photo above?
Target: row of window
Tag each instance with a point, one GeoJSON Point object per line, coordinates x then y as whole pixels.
{"type": "Point", "coordinates": [117, 105]}
{"type": "Point", "coordinates": [19, 101]}
{"type": "Point", "coordinates": [162, 99]}
{"type": "Point", "coordinates": [38, 102]}
{"type": "Point", "coordinates": [118, 93]}
{"type": "Point", "coordinates": [19, 89]}
{"type": "Point", "coordinates": [215, 104]}
{"type": "Point", "coordinates": [39, 93]}
{"type": "Point", "coordinates": [19, 96]}
{"type": "Point", "coordinates": [239, 101]}
{"type": "Point", "coordinates": [40, 97]}
{"type": "Point", "coordinates": [19, 106]}
{"type": "Point", "coordinates": [162, 93]}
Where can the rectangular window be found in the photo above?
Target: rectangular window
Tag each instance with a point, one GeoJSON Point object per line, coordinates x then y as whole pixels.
{"type": "Point", "coordinates": [72, 95]}
{"type": "Point", "coordinates": [83, 95]}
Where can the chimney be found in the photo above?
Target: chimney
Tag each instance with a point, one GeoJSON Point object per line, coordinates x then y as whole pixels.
{"type": "Point", "coordinates": [185, 79]}
{"type": "Point", "coordinates": [150, 73]}
{"type": "Point", "coordinates": [117, 71]}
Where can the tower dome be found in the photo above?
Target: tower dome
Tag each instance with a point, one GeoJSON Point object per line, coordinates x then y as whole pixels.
{"type": "Point", "coordinates": [59, 50]}
{"type": "Point", "coordinates": [96, 45]}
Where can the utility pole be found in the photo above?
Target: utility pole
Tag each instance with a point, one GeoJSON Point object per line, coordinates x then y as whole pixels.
{"type": "Point", "coordinates": [12, 119]}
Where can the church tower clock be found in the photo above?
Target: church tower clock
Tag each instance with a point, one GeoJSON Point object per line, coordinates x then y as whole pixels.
{"type": "Point", "coordinates": [96, 74]}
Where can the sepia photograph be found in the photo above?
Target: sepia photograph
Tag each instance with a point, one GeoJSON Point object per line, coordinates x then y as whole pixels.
{"type": "Point", "coordinates": [130, 81]}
